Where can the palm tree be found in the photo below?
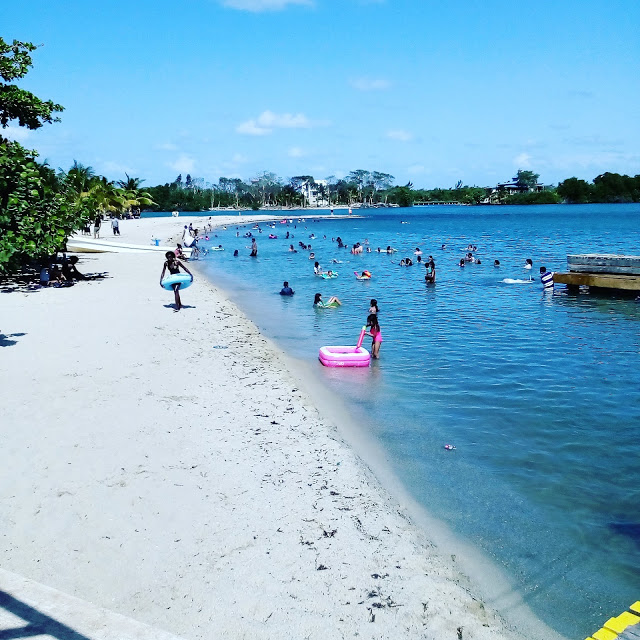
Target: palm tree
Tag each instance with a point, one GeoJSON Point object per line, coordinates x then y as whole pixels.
{"type": "Point", "coordinates": [130, 184]}
{"type": "Point", "coordinates": [80, 177]}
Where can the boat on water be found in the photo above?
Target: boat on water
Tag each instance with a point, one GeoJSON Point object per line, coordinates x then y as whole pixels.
{"type": "Point", "coordinates": [89, 245]}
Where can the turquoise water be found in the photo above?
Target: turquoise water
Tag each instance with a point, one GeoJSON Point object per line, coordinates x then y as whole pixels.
{"type": "Point", "coordinates": [539, 392]}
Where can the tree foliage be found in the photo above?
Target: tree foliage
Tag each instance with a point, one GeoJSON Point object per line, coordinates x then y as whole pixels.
{"type": "Point", "coordinates": [15, 103]}
{"type": "Point", "coordinates": [35, 218]}
{"type": "Point", "coordinates": [607, 187]}
{"type": "Point", "coordinates": [527, 179]}
{"type": "Point", "coordinates": [39, 208]}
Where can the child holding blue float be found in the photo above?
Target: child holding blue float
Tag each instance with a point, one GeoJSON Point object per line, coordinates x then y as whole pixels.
{"type": "Point", "coordinates": [175, 280]}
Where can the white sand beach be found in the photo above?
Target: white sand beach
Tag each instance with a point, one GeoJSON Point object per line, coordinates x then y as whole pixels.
{"type": "Point", "coordinates": [172, 468]}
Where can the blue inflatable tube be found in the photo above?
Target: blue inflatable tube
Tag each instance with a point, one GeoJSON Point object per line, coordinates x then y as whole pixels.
{"type": "Point", "coordinates": [183, 279]}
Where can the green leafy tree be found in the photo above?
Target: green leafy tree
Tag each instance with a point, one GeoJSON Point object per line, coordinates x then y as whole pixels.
{"type": "Point", "coordinates": [575, 191]}
{"type": "Point", "coordinates": [527, 179]}
{"type": "Point", "coordinates": [35, 220]}
{"type": "Point", "coordinates": [37, 211]}
{"type": "Point", "coordinates": [130, 184]}
{"type": "Point", "coordinates": [15, 103]}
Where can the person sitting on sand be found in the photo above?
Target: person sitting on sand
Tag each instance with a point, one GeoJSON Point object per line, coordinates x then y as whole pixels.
{"type": "Point", "coordinates": [174, 266]}
{"type": "Point", "coordinates": [331, 303]}
{"type": "Point", "coordinates": [375, 333]}
{"type": "Point", "coordinates": [70, 271]}
{"type": "Point", "coordinates": [178, 251]}
{"type": "Point", "coordinates": [286, 289]}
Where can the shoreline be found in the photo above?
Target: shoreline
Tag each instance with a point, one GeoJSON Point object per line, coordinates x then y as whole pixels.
{"type": "Point", "coordinates": [281, 524]}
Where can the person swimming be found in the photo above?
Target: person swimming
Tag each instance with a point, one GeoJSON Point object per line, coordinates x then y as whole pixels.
{"type": "Point", "coordinates": [528, 264]}
{"type": "Point", "coordinates": [373, 306]}
{"type": "Point", "coordinates": [331, 303]}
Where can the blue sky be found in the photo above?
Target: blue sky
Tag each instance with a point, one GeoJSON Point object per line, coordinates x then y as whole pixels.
{"type": "Point", "coordinates": [430, 91]}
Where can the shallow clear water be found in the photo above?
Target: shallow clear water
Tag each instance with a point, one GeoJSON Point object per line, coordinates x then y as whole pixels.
{"type": "Point", "coordinates": [539, 393]}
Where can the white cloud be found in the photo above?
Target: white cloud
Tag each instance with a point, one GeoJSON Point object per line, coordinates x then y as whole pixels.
{"type": "Point", "coordinates": [183, 164]}
{"type": "Point", "coordinates": [18, 134]}
{"type": "Point", "coordinates": [166, 146]}
{"type": "Point", "coordinates": [267, 121]}
{"type": "Point", "coordinates": [238, 158]}
{"type": "Point", "coordinates": [112, 168]}
{"type": "Point", "coordinates": [296, 152]}
{"type": "Point", "coordinates": [370, 84]}
{"type": "Point", "coordinates": [250, 128]}
{"type": "Point", "coordinates": [417, 169]}
{"type": "Point", "coordinates": [284, 121]}
{"type": "Point", "coordinates": [522, 161]}
{"type": "Point", "coordinates": [400, 134]}
{"type": "Point", "coordinates": [257, 6]}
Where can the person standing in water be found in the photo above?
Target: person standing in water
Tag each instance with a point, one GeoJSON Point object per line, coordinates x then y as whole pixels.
{"type": "Point", "coordinates": [430, 276]}
{"type": "Point", "coordinates": [373, 306]}
{"type": "Point", "coordinates": [254, 248]}
{"type": "Point", "coordinates": [546, 277]}
{"type": "Point", "coordinates": [375, 333]}
{"type": "Point", "coordinates": [174, 266]}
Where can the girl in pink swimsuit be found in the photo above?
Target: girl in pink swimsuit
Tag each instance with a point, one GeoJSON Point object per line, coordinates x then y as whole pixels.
{"type": "Point", "coordinates": [375, 333]}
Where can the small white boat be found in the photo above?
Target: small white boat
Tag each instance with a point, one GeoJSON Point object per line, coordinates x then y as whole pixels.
{"type": "Point", "coordinates": [89, 245]}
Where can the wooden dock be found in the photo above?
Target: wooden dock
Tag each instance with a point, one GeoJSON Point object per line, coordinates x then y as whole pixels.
{"type": "Point", "coordinates": [601, 271]}
{"type": "Point", "coordinates": [626, 626]}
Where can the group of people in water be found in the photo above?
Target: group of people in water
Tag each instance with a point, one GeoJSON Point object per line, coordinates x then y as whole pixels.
{"type": "Point", "coordinates": [173, 266]}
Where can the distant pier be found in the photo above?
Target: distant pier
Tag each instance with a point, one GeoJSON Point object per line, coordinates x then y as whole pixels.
{"type": "Point", "coordinates": [432, 203]}
{"type": "Point", "coordinates": [602, 271]}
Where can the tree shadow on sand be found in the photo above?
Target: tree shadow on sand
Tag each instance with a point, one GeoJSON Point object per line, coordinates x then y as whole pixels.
{"type": "Point", "coordinates": [26, 284]}
{"type": "Point", "coordinates": [5, 340]}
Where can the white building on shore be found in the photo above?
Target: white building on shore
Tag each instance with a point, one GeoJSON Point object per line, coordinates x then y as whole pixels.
{"type": "Point", "coordinates": [315, 192]}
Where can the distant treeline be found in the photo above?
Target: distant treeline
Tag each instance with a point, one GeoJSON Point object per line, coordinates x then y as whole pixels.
{"type": "Point", "coordinates": [372, 188]}
{"type": "Point", "coordinates": [607, 187]}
